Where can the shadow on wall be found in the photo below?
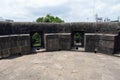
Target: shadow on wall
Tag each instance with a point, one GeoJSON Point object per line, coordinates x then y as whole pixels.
{"type": "Point", "coordinates": [117, 44]}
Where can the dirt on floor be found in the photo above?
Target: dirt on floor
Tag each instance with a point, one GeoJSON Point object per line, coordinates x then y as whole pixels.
{"type": "Point", "coordinates": [61, 65]}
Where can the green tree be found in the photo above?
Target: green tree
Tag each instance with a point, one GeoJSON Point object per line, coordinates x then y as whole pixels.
{"type": "Point", "coordinates": [36, 39]}
{"type": "Point", "coordinates": [77, 37]}
{"type": "Point", "coordinates": [49, 18]}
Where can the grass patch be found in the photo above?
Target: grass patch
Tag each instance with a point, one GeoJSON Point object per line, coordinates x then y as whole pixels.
{"type": "Point", "coordinates": [36, 45]}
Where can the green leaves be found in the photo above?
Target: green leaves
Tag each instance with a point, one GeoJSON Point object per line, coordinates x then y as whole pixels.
{"type": "Point", "coordinates": [77, 37]}
{"type": "Point", "coordinates": [49, 18]}
{"type": "Point", "coordinates": [36, 39]}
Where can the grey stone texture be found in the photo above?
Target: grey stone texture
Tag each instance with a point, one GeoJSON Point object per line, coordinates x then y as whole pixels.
{"type": "Point", "coordinates": [103, 43]}
{"type": "Point", "coordinates": [14, 44]}
{"type": "Point", "coordinates": [57, 41]}
{"type": "Point", "coordinates": [27, 27]}
{"type": "Point", "coordinates": [107, 43]}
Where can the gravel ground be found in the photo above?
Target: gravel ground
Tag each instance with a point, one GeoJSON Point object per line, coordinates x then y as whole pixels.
{"type": "Point", "coordinates": [61, 65]}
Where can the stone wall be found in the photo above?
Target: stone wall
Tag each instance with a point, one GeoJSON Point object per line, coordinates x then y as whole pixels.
{"type": "Point", "coordinates": [91, 42]}
{"type": "Point", "coordinates": [28, 27]}
{"type": "Point", "coordinates": [103, 43]}
{"type": "Point", "coordinates": [5, 28]}
{"type": "Point", "coordinates": [57, 41]}
{"type": "Point", "coordinates": [14, 44]}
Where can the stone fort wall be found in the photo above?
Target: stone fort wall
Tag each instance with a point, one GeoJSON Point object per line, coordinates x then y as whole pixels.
{"type": "Point", "coordinates": [96, 34]}
{"type": "Point", "coordinates": [14, 44]}
{"type": "Point", "coordinates": [26, 28]}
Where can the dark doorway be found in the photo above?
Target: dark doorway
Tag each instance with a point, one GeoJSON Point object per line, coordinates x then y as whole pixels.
{"type": "Point", "coordinates": [117, 44]}
{"type": "Point", "coordinates": [37, 40]}
{"type": "Point", "coordinates": [77, 39]}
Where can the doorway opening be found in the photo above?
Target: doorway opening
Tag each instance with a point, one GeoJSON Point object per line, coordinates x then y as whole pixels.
{"type": "Point", "coordinates": [78, 40]}
{"type": "Point", "coordinates": [37, 40]}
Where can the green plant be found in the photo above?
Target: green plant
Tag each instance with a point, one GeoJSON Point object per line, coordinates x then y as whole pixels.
{"type": "Point", "coordinates": [36, 39]}
{"type": "Point", "coordinates": [49, 18]}
{"type": "Point", "coordinates": [77, 37]}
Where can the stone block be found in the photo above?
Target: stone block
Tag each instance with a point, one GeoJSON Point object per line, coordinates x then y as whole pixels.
{"type": "Point", "coordinates": [25, 49]}
{"type": "Point", "coordinates": [91, 42]}
{"type": "Point", "coordinates": [104, 43]}
{"type": "Point", "coordinates": [5, 53]}
{"type": "Point", "coordinates": [13, 44]}
{"type": "Point", "coordinates": [57, 41]}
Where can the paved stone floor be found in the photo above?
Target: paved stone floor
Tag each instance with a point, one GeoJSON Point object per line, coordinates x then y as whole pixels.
{"type": "Point", "coordinates": [62, 65]}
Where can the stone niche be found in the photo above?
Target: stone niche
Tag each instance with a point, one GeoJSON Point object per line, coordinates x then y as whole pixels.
{"type": "Point", "coordinates": [57, 41]}
{"type": "Point", "coordinates": [103, 43]}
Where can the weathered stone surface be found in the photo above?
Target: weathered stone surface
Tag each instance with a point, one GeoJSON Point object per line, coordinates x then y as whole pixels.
{"type": "Point", "coordinates": [14, 44]}
{"type": "Point", "coordinates": [105, 39]}
{"type": "Point", "coordinates": [27, 27]}
{"type": "Point", "coordinates": [91, 42]}
{"type": "Point", "coordinates": [104, 43]}
{"type": "Point", "coordinates": [58, 41]}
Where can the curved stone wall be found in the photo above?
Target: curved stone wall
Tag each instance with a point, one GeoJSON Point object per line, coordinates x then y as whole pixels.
{"type": "Point", "coordinates": [10, 43]}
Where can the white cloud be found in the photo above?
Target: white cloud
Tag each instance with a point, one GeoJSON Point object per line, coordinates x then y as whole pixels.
{"type": "Point", "coordinates": [44, 3]}
{"type": "Point", "coordinates": [69, 10]}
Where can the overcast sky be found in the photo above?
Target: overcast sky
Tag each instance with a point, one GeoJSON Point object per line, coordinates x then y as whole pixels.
{"type": "Point", "coordinates": [68, 10]}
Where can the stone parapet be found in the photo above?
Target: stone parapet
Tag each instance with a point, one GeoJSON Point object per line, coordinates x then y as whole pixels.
{"type": "Point", "coordinates": [103, 43]}
{"type": "Point", "coordinates": [57, 41]}
{"type": "Point", "coordinates": [14, 44]}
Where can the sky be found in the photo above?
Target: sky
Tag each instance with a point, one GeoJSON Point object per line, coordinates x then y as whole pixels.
{"type": "Point", "coordinates": [68, 10]}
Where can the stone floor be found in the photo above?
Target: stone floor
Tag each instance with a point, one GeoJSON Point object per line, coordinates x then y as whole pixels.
{"type": "Point", "coordinates": [62, 65]}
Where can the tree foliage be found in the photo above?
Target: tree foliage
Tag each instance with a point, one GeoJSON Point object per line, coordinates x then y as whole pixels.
{"type": "Point", "coordinates": [49, 18]}
{"type": "Point", "coordinates": [36, 39]}
{"type": "Point", "coordinates": [77, 37]}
